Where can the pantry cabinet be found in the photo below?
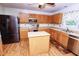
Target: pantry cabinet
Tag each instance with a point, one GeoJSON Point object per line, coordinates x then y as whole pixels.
{"type": "Point", "coordinates": [57, 18]}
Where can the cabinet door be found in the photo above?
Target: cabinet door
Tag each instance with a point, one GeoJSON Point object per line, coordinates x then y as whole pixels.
{"type": "Point", "coordinates": [73, 45]}
{"type": "Point", "coordinates": [63, 39]}
{"type": "Point", "coordinates": [46, 19]}
{"type": "Point", "coordinates": [57, 18]}
{"type": "Point", "coordinates": [23, 34]}
{"type": "Point", "coordinates": [49, 19]}
{"type": "Point", "coordinates": [54, 34]}
{"type": "Point", "coordinates": [40, 19]}
{"type": "Point", "coordinates": [23, 17]}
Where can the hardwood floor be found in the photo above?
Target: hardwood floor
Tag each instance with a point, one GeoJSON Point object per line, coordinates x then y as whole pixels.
{"type": "Point", "coordinates": [21, 49]}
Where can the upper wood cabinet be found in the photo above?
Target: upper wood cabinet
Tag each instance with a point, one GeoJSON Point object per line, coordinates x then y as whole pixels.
{"type": "Point", "coordinates": [41, 18]}
{"type": "Point", "coordinates": [23, 17]}
{"type": "Point", "coordinates": [57, 18]}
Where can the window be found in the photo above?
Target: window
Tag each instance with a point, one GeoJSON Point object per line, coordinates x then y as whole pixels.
{"type": "Point", "coordinates": [71, 19]}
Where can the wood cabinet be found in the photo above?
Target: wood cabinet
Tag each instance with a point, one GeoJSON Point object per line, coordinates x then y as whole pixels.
{"type": "Point", "coordinates": [41, 18]}
{"type": "Point", "coordinates": [23, 34]}
{"type": "Point", "coordinates": [73, 45]}
{"type": "Point", "coordinates": [54, 34]}
{"type": "Point", "coordinates": [50, 19]}
{"type": "Point", "coordinates": [63, 39]}
{"type": "Point", "coordinates": [60, 37]}
{"type": "Point", "coordinates": [57, 18]}
{"type": "Point", "coordinates": [23, 17]}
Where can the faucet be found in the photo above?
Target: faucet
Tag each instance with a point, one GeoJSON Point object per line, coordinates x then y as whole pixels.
{"type": "Point", "coordinates": [67, 30]}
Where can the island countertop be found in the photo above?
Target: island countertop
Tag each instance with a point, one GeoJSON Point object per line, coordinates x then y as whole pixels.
{"type": "Point", "coordinates": [38, 33]}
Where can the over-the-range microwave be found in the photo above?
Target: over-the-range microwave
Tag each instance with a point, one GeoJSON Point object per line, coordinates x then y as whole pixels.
{"type": "Point", "coordinates": [32, 20]}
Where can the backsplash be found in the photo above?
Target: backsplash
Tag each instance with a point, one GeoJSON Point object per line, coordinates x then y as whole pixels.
{"type": "Point", "coordinates": [40, 25]}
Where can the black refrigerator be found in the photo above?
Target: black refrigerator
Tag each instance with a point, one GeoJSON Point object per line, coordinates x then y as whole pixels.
{"type": "Point", "coordinates": [9, 29]}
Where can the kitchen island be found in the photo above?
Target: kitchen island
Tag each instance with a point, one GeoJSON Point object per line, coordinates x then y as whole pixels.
{"type": "Point", "coordinates": [38, 42]}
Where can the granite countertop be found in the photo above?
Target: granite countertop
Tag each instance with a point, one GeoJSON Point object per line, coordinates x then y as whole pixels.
{"type": "Point", "coordinates": [39, 33]}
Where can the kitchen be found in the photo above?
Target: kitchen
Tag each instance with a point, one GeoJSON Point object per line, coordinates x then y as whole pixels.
{"type": "Point", "coordinates": [46, 30]}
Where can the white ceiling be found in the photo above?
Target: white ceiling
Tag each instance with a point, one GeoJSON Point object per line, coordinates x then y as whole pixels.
{"type": "Point", "coordinates": [27, 6]}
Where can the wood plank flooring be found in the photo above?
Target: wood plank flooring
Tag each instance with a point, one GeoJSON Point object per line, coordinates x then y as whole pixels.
{"type": "Point", "coordinates": [21, 49]}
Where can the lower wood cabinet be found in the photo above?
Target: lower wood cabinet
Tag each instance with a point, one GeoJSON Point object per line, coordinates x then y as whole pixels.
{"type": "Point", "coordinates": [73, 45]}
{"type": "Point", "coordinates": [63, 39]}
{"type": "Point", "coordinates": [54, 34]}
{"type": "Point", "coordinates": [23, 34]}
{"type": "Point", "coordinates": [60, 37]}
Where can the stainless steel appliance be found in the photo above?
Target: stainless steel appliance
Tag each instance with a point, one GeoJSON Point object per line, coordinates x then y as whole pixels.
{"type": "Point", "coordinates": [9, 29]}
{"type": "Point", "coordinates": [34, 24]}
